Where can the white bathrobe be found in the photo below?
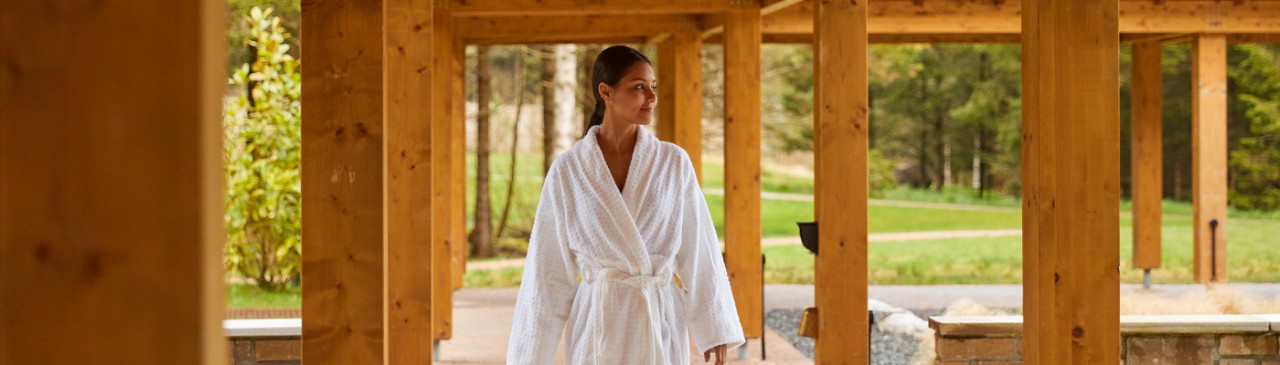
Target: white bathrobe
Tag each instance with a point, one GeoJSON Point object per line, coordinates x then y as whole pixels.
{"type": "Point", "coordinates": [625, 246]}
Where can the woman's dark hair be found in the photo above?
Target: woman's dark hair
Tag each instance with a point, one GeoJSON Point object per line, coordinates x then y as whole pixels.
{"type": "Point", "coordinates": [611, 65]}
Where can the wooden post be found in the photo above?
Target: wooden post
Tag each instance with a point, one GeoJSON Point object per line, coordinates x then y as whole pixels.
{"type": "Point", "coordinates": [841, 136]}
{"type": "Point", "coordinates": [742, 164]}
{"type": "Point", "coordinates": [367, 194]}
{"type": "Point", "coordinates": [111, 178]}
{"type": "Point", "coordinates": [441, 151]}
{"type": "Point", "coordinates": [1071, 174]}
{"type": "Point", "coordinates": [680, 93]}
{"type": "Point", "coordinates": [1209, 156]}
{"type": "Point", "coordinates": [458, 101]}
{"type": "Point", "coordinates": [1146, 164]}
{"type": "Point", "coordinates": [415, 141]}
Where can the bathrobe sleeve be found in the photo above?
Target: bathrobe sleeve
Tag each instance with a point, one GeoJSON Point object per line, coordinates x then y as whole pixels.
{"type": "Point", "coordinates": [710, 312]}
{"type": "Point", "coordinates": [549, 284]}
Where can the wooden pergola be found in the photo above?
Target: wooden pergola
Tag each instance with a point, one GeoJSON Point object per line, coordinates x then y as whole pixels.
{"type": "Point", "coordinates": [112, 201]}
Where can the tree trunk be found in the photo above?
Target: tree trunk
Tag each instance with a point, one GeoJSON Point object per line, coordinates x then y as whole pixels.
{"type": "Point", "coordinates": [547, 58]}
{"type": "Point", "coordinates": [922, 151]}
{"type": "Point", "coordinates": [566, 90]}
{"type": "Point", "coordinates": [586, 65]}
{"type": "Point", "coordinates": [939, 139]}
{"type": "Point", "coordinates": [975, 180]}
{"type": "Point", "coordinates": [519, 66]}
{"type": "Point", "coordinates": [482, 235]}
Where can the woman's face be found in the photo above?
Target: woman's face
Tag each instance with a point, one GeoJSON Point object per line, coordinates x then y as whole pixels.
{"type": "Point", "coordinates": [632, 100]}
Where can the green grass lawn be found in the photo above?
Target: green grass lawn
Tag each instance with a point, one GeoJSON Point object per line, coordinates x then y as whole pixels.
{"type": "Point", "coordinates": [245, 296]}
{"type": "Point", "coordinates": [1253, 256]}
{"type": "Point", "coordinates": [1253, 243]}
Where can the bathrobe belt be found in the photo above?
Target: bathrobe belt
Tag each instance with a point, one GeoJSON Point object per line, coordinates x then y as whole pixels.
{"type": "Point", "coordinates": [605, 279]}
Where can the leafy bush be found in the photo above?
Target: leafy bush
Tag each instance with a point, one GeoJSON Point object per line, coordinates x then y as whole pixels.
{"type": "Point", "coordinates": [263, 152]}
{"type": "Point", "coordinates": [1255, 163]}
{"type": "Point", "coordinates": [879, 174]}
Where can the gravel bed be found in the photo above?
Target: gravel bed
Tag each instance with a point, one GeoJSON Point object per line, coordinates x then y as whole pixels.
{"type": "Point", "coordinates": [886, 348]}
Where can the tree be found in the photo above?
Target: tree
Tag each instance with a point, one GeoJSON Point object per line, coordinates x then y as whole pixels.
{"type": "Point", "coordinates": [239, 31]}
{"type": "Point", "coordinates": [547, 84]}
{"type": "Point", "coordinates": [1255, 162]}
{"type": "Point", "coordinates": [481, 237]}
{"type": "Point", "coordinates": [262, 152]}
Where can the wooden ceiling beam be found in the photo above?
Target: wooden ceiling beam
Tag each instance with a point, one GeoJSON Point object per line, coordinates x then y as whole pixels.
{"type": "Point", "coordinates": [593, 7]}
{"type": "Point", "coordinates": [715, 23]}
{"type": "Point", "coordinates": [568, 28]}
{"type": "Point", "coordinates": [890, 38]}
{"type": "Point", "coordinates": [985, 17]}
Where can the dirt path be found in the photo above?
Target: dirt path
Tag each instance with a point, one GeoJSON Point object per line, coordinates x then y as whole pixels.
{"type": "Point", "coordinates": [887, 203]}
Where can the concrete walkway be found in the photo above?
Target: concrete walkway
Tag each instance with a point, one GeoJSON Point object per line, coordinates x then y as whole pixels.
{"type": "Point", "coordinates": [482, 329]}
{"type": "Point", "coordinates": [482, 316]}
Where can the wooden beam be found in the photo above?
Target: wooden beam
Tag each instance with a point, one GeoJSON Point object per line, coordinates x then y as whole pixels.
{"type": "Point", "coordinates": [1071, 175]}
{"type": "Point", "coordinates": [1147, 161]}
{"type": "Point", "coordinates": [1261, 38]}
{"type": "Point", "coordinates": [111, 178]}
{"type": "Point", "coordinates": [841, 125]}
{"type": "Point", "coordinates": [458, 102]}
{"type": "Point", "coordinates": [716, 22]}
{"type": "Point", "coordinates": [633, 40]}
{"type": "Point", "coordinates": [1237, 38]}
{"type": "Point", "coordinates": [415, 157]}
{"type": "Point", "coordinates": [975, 17]}
{"type": "Point", "coordinates": [601, 7]}
{"type": "Point", "coordinates": [441, 150]}
{"type": "Point", "coordinates": [1209, 156]}
{"type": "Point", "coordinates": [680, 85]}
{"type": "Point", "coordinates": [367, 195]}
{"type": "Point", "coordinates": [742, 165]}
{"type": "Point", "coordinates": [890, 38]}
{"type": "Point", "coordinates": [567, 28]}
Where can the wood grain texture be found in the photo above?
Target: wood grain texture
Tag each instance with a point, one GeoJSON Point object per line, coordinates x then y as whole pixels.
{"type": "Point", "coordinates": [342, 180]}
{"type": "Point", "coordinates": [413, 169]}
{"type": "Point", "coordinates": [903, 17]}
{"type": "Point", "coordinates": [1209, 156]}
{"type": "Point", "coordinates": [841, 125]}
{"type": "Point", "coordinates": [442, 190]}
{"type": "Point", "coordinates": [680, 94]}
{"type": "Point", "coordinates": [1147, 161]}
{"type": "Point", "coordinates": [458, 102]}
{"type": "Point", "coordinates": [111, 178]}
{"type": "Point", "coordinates": [566, 28]}
{"type": "Point", "coordinates": [600, 7]}
{"type": "Point", "coordinates": [742, 165]}
{"type": "Point", "coordinates": [1071, 197]}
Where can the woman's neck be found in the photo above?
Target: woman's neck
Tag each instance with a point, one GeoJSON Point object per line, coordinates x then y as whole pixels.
{"type": "Point", "coordinates": [617, 137]}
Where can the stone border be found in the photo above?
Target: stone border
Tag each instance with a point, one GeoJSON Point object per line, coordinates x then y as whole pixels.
{"type": "Point", "coordinates": [1174, 339]}
{"type": "Point", "coordinates": [280, 327]}
{"type": "Point", "coordinates": [1006, 326]}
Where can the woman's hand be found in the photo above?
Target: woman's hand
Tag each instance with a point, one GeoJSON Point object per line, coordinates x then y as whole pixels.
{"type": "Point", "coordinates": [720, 352]}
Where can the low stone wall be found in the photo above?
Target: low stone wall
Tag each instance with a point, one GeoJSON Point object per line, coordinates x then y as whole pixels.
{"type": "Point", "coordinates": [1190, 339]}
{"type": "Point", "coordinates": [265, 341]}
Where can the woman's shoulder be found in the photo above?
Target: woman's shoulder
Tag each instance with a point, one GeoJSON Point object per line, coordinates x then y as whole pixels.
{"type": "Point", "coordinates": [672, 156]}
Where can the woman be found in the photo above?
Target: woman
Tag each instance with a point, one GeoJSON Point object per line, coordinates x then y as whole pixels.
{"type": "Point", "coordinates": [623, 211]}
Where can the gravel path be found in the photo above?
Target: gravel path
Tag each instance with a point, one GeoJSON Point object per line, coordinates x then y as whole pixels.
{"type": "Point", "coordinates": [886, 348]}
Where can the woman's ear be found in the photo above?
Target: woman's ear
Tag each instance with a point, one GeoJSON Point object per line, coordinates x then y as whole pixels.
{"type": "Point", "coordinates": [605, 91]}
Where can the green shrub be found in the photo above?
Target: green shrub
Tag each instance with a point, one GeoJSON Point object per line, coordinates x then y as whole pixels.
{"type": "Point", "coordinates": [263, 152]}
{"type": "Point", "coordinates": [879, 174]}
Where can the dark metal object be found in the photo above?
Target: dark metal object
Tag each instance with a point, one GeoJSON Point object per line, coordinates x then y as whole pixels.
{"type": "Point", "coordinates": [1213, 250]}
{"type": "Point", "coordinates": [809, 236]}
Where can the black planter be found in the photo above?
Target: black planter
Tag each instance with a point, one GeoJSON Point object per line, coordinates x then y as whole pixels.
{"type": "Point", "coordinates": [809, 235]}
